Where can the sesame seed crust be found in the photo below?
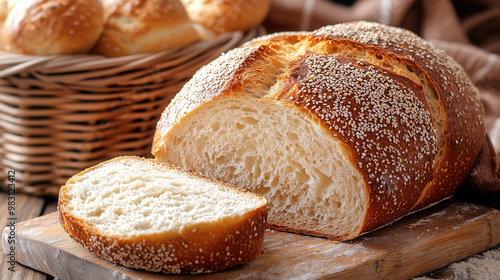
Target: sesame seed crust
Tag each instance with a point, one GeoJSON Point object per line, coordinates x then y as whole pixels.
{"type": "Point", "coordinates": [383, 118]}
{"type": "Point", "coordinates": [457, 95]}
{"type": "Point", "coordinates": [202, 249]}
{"type": "Point", "coordinates": [408, 113]}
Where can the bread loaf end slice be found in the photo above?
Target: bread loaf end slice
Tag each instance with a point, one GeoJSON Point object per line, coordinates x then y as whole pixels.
{"type": "Point", "coordinates": [146, 215]}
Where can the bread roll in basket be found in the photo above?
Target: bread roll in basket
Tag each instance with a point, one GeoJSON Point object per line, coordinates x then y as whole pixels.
{"type": "Point", "coordinates": [344, 129]}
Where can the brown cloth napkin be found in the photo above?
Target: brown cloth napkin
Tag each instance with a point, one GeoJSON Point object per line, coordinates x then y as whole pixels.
{"type": "Point", "coordinates": [468, 30]}
{"type": "Point", "coordinates": [483, 177]}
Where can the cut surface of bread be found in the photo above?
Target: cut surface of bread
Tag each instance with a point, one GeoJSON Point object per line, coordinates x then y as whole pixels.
{"type": "Point", "coordinates": [304, 188]}
{"type": "Point", "coordinates": [146, 215]}
{"type": "Point", "coordinates": [344, 129]}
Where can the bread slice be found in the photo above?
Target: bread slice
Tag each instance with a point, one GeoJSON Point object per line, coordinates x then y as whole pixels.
{"type": "Point", "coordinates": [146, 215]}
{"type": "Point", "coordinates": [344, 129]}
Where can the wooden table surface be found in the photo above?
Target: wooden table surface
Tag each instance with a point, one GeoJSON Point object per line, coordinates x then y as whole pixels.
{"type": "Point", "coordinates": [26, 208]}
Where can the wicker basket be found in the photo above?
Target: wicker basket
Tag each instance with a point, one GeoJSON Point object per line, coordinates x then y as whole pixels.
{"type": "Point", "coordinates": [62, 114]}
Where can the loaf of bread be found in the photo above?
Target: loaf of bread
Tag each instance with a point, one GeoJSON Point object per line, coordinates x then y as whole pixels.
{"type": "Point", "coordinates": [48, 27]}
{"type": "Point", "coordinates": [144, 26]}
{"type": "Point", "coordinates": [214, 17]}
{"type": "Point", "coordinates": [147, 215]}
{"type": "Point", "coordinates": [344, 129]}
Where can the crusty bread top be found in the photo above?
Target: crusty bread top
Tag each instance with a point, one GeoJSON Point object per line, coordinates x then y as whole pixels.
{"type": "Point", "coordinates": [383, 117]}
{"type": "Point", "coordinates": [460, 99]}
{"type": "Point", "coordinates": [419, 159]}
{"type": "Point", "coordinates": [141, 26]}
{"type": "Point", "coordinates": [46, 27]}
{"type": "Point", "coordinates": [214, 17]}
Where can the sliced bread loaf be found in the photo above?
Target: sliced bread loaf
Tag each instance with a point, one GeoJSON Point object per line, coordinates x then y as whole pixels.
{"type": "Point", "coordinates": [146, 215]}
{"type": "Point", "coordinates": [344, 129]}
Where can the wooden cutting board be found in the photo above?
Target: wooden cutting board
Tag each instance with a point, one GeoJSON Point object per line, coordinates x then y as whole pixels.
{"type": "Point", "coordinates": [412, 246]}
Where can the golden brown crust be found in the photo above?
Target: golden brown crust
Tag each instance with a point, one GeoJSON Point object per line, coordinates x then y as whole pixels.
{"type": "Point", "coordinates": [395, 143]}
{"type": "Point", "coordinates": [144, 26]}
{"type": "Point", "coordinates": [458, 97]}
{"type": "Point", "coordinates": [51, 27]}
{"type": "Point", "coordinates": [199, 248]}
{"type": "Point", "coordinates": [215, 17]}
{"type": "Point", "coordinates": [4, 11]}
{"type": "Point", "coordinates": [202, 249]}
{"type": "Point", "coordinates": [382, 117]}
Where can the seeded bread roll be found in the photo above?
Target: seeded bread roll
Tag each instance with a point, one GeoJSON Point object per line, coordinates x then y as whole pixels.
{"type": "Point", "coordinates": [344, 129]}
{"type": "Point", "coordinates": [147, 215]}
{"type": "Point", "coordinates": [144, 26]}
{"type": "Point", "coordinates": [52, 27]}
{"type": "Point", "coordinates": [214, 17]}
